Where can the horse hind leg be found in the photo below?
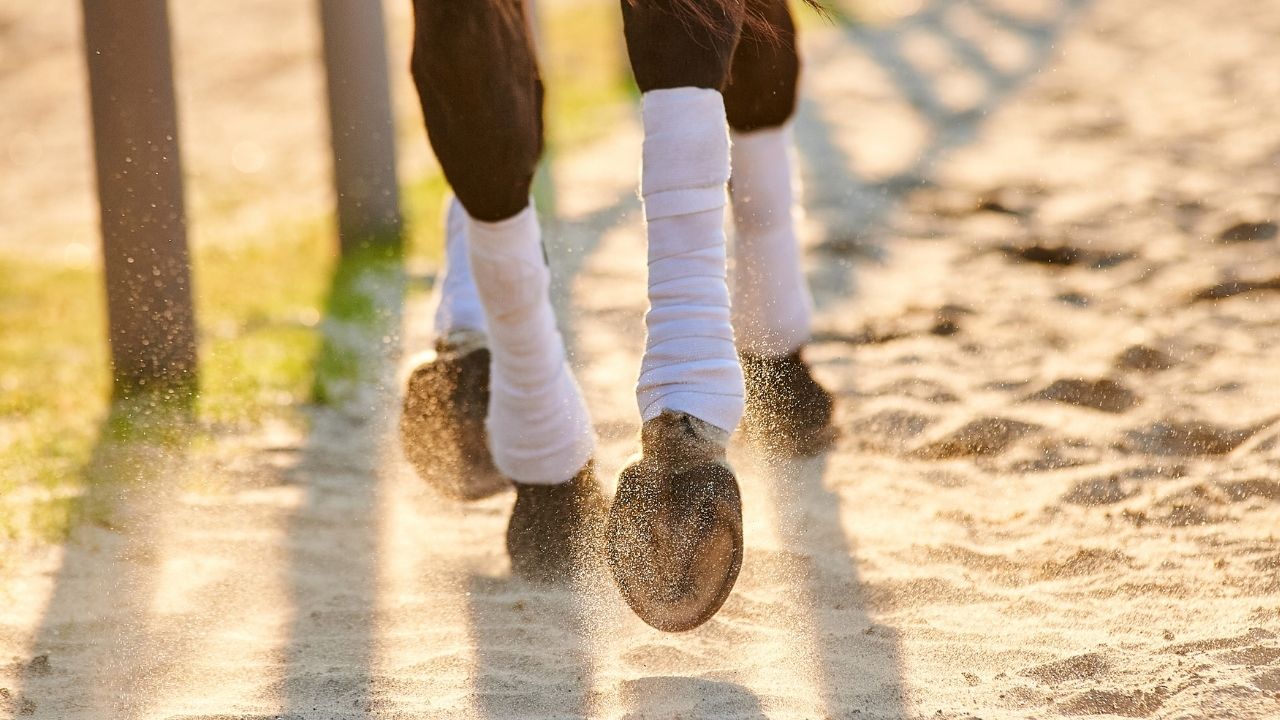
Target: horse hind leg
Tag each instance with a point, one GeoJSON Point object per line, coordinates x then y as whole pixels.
{"type": "Point", "coordinates": [787, 411]}
{"type": "Point", "coordinates": [477, 79]}
{"type": "Point", "coordinates": [481, 94]}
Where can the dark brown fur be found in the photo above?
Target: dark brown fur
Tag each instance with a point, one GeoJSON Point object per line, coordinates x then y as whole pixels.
{"type": "Point", "coordinates": [706, 13]}
{"type": "Point", "coordinates": [478, 81]}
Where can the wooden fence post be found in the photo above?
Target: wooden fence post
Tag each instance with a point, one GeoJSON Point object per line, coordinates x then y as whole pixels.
{"type": "Point", "coordinates": [360, 122]}
{"type": "Point", "coordinates": [151, 319]}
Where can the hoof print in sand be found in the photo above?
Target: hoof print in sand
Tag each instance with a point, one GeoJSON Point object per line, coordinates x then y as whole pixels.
{"type": "Point", "coordinates": [1053, 453]}
{"type": "Point", "coordinates": [919, 389]}
{"type": "Point", "coordinates": [1132, 703]}
{"type": "Point", "coordinates": [1119, 486]}
{"type": "Point", "coordinates": [1250, 232]}
{"type": "Point", "coordinates": [1144, 358]}
{"type": "Point", "coordinates": [1105, 395]}
{"type": "Point", "coordinates": [1100, 491]}
{"type": "Point", "coordinates": [1241, 490]}
{"type": "Point", "coordinates": [942, 322]}
{"type": "Point", "coordinates": [1080, 667]}
{"type": "Point", "coordinates": [1188, 507]}
{"type": "Point", "coordinates": [1018, 201]}
{"type": "Point", "coordinates": [982, 437]}
{"type": "Point", "coordinates": [1074, 299]}
{"type": "Point", "coordinates": [947, 319]}
{"type": "Point", "coordinates": [1064, 255]}
{"type": "Point", "coordinates": [1085, 561]}
{"type": "Point", "coordinates": [1186, 438]}
{"type": "Point", "coordinates": [889, 429]}
{"type": "Point", "coordinates": [1231, 288]}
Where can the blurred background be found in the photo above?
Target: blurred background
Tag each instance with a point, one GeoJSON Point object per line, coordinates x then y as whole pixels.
{"type": "Point", "coordinates": [1042, 238]}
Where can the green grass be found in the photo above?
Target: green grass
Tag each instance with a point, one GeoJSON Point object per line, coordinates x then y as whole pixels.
{"type": "Point", "coordinates": [361, 313]}
{"type": "Point", "coordinates": [53, 385]}
{"type": "Point", "coordinates": [585, 71]}
{"type": "Point", "coordinates": [262, 304]}
{"type": "Point", "coordinates": [258, 308]}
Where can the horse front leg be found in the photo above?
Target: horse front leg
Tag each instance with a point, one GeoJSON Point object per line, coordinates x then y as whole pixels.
{"type": "Point", "coordinates": [497, 398]}
{"type": "Point", "coordinates": [675, 528]}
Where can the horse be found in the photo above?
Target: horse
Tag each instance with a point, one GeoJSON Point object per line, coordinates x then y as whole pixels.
{"type": "Point", "coordinates": [495, 403]}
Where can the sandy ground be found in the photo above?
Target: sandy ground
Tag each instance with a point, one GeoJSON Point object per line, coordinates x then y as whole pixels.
{"type": "Point", "coordinates": [1048, 303]}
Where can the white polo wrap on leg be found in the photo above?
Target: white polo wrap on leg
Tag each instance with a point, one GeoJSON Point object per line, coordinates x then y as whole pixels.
{"type": "Point", "coordinates": [458, 304]}
{"type": "Point", "coordinates": [690, 364]}
{"type": "Point", "coordinates": [539, 428]}
{"type": "Point", "coordinates": [772, 308]}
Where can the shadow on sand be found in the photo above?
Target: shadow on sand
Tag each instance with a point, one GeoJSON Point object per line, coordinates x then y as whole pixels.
{"type": "Point", "coordinates": [854, 662]}
{"type": "Point", "coordinates": [102, 648]}
{"type": "Point", "coordinates": [853, 208]}
{"type": "Point", "coordinates": [95, 648]}
{"type": "Point", "coordinates": [528, 668]}
{"type": "Point", "coordinates": [673, 696]}
{"type": "Point", "coordinates": [332, 537]}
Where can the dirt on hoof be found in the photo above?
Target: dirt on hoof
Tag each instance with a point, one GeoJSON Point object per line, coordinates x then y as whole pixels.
{"type": "Point", "coordinates": [1102, 394]}
{"type": "Point", "coordinates": [985, 436]}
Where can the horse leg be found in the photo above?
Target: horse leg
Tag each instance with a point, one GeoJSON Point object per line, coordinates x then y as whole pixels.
{"type": "Point", "coordinates": [477, 79]}
{"type": "Point", "coordinates": [675, 528]}
{"type": "Point", "coordinates": [786, 409]}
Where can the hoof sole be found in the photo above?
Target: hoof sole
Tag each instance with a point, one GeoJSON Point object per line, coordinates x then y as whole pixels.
{"type": "Point", "coordinates": [442, 426]}
{"type": "Point", "coordinates": [675, 541]}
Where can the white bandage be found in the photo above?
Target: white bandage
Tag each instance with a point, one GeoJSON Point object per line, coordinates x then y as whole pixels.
{"type": "Point", "coordinates": [458, 306]}
{"type": "Point", "coordinates": [690, 364]}
{"type": "Point", "coordinates": [772, 308]}
{"type": "Point", "coordinates": [539, 428]}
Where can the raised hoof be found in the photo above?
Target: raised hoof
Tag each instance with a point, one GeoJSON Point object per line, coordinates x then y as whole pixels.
{"type": "Point", "coordinates": [675, 529]}
{"type": "Point", "coordinates": [555, 530]}
{"type": "Point", "coordinates": [787, 411]}
{"type": "Point", "coordinates": [442, 424]}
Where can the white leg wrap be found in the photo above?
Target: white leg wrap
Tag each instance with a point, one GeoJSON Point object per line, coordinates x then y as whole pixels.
{"type": "Point", "coordinates": [772, 308]}
{"type": "Point", "coordinates": [458, 306]}
{"type": "Point", "coordinates": [539, 428]}
{"type": "Point", "coordinates": [690, 363]}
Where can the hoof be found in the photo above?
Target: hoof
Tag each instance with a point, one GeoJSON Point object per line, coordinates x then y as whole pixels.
{"type": "Point", "coordinates": [555, 530]}
{"type": "Point", "coordinates": [442, 424]}
{"type": "Point", "coordinates": [788, 412]}
{"type": "Point", "coordinates": [675, 529]}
